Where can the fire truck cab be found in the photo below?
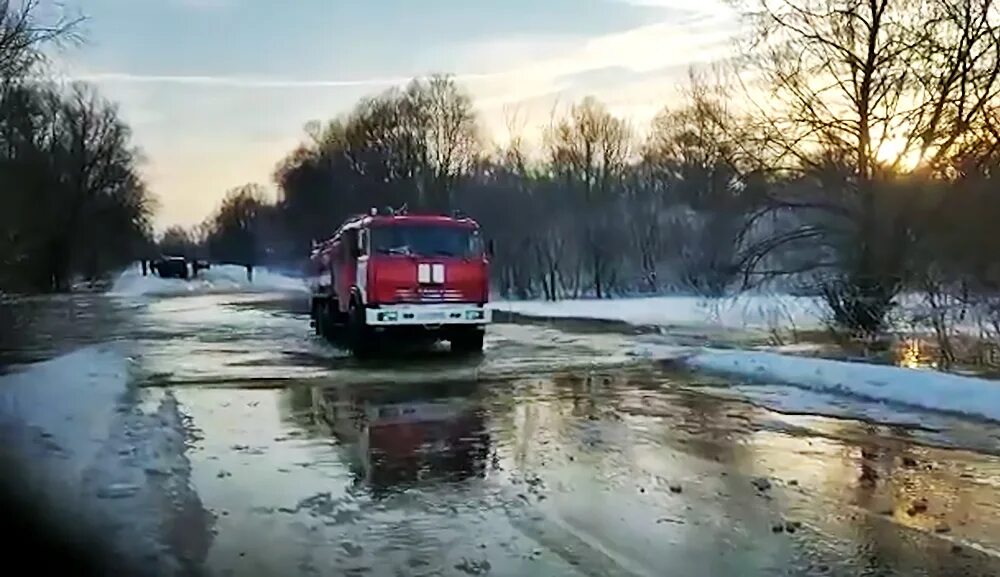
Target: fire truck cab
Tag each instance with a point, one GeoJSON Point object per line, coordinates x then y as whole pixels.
{"type": "Point", "coordinates": [397, 275]}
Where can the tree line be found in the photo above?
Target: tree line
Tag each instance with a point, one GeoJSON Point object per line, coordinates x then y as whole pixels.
{"type": "Point", "coordinates": [848, 152]}
{"type": "Point", "coordinates": [597, 213]}
{"type": "Point", "coordinates": [73, 205]}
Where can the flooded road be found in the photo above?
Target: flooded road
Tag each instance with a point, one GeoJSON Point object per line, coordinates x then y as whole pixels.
{"type": "Point", "coordinates": [555, 453]}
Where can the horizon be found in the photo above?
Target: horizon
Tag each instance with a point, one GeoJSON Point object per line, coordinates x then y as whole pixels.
{"type": "Point", "coordinates": [213, 107]}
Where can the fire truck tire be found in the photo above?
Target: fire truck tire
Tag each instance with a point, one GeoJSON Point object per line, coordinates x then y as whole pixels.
{"type": "Point", "coordinates": [467, 342]}
{"type": "Point", "coordinates": [325, 318]}
{"type": "Point", "coordinates": [360, 336]}
{"type": "Point", "coordinates": [317, 316]}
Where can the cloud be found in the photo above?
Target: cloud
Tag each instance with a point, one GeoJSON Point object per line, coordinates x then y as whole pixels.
{"type": "Point", "coordinates": [600, 77]}
{"type": "Point", "coordinates": [610, 62]}
{"type": "Point", "coordinates": [247, 82]}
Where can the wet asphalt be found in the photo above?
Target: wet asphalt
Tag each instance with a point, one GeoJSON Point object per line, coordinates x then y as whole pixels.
{"type": "Point", "coordinates": [554, 453]}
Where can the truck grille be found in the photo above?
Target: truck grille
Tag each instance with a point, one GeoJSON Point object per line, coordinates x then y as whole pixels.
{"type": "Point", "coordinates": [429, 295]}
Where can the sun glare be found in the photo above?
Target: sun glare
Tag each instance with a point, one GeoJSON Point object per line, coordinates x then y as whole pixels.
{"type": "Point", "coordinates": [893, 151]}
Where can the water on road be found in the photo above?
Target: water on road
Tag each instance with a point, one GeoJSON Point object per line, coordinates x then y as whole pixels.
{"type": "Point", "coordinates": [554, 453]}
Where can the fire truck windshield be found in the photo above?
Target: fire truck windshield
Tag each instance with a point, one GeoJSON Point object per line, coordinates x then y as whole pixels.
{"type": "Point", "coordinates": [426, 240]}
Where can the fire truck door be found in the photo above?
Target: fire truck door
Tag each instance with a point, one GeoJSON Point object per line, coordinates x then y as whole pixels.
{"type": "Point", "coordinates": [361, 275]}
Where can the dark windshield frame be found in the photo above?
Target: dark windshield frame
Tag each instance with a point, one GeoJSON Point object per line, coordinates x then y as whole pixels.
{"type": "Point", "coordinates": [425, 240]}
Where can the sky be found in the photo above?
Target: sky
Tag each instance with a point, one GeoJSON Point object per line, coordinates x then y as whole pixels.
{"type": "Point", "coordinates": [218, 91]}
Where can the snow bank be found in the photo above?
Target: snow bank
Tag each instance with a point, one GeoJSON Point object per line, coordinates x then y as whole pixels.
{"type": "Point", "coordinates": [218, 279]}
{"type": "Point", "coordinates": [924, 389]}
{"type": "Point", "coordinates": [86, 451]}
{"type": "Point", "coordinates": [64, 406]}
{"type": "Point", "coordinates": [745, 312]}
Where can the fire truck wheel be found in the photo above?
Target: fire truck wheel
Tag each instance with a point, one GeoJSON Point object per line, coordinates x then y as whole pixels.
{"type": "Point", "coordinates": [324, 313]}
{"type": "Point", "coordinates": [360, 336]}
{"type": "Point", "coordinates": [321, 315]}
{"type": "Point", "coordinates": [467, 342]}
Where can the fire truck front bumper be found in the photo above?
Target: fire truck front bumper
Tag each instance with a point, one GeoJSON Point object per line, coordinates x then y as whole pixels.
{"type": "Point", "coordinates": [430, 314]}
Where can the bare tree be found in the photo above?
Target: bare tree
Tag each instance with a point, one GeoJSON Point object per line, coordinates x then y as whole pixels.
{"type": "Point", "coordinates": [72, 183]}
{"type": "Point", "coordinates": [101, 170]}
{"type": "Point", "coordinates": [694, 153]}
{"type": "Point", "coordinates": [442, 114]}
{"type": "Point", "coordinates": [588, 151]}
{"type": "Point", "coordinates": [861, 91]}
{"type": "Point", "coordinates": [22, 34]}
{"type": "Point", "coordinates": [177, 240]}
{"type": "Point", "coordinates": [234, 230]}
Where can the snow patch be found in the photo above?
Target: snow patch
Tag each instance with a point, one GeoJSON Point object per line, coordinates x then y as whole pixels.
{"type": "Point", "coordinates": [87, 451]}
{"type": "Point", "coordinates": [65, 406]}
{"type": "Point", "coordinates": [218, 279]}
{"type": "Point", "coordinates": [795, 400]}
{"type": "Point", "coordinates": [924, 389]}
{"type": "Point", "coordinates": [744, 312]}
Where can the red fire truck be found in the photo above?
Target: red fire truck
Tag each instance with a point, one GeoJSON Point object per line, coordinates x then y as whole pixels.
{"type": "Point", "coordinates": [385, 276]}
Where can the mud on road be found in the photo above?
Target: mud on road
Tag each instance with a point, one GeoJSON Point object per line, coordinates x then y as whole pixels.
{"type": "Point", "coordinates": [555, 453]}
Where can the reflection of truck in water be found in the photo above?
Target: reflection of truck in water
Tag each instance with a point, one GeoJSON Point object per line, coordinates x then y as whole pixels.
{"type": "Point", "coordinates": [424, 277]}
{"type": "Point", "coordinates": [401, 437]}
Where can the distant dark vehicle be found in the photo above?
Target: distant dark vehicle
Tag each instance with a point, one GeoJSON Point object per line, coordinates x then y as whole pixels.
{"type": "Point", "coordinates": [197, 265]}
{"type": "Point", "coordinates": [172, 267]}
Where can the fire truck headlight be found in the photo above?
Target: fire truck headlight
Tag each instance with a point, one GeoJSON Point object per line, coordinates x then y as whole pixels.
{"type": "Point", "coordinates": [389, 316]}
{"type": "Point", "coordinates": [474, 315]}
